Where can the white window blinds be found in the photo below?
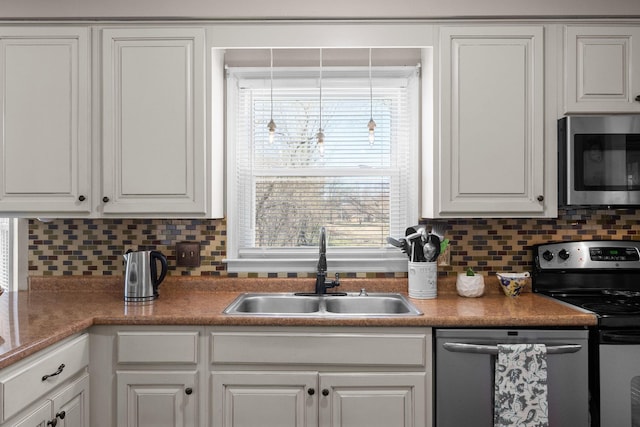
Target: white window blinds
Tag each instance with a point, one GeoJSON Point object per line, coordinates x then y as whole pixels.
{"type": "Point", "coordinates": [282, 192]}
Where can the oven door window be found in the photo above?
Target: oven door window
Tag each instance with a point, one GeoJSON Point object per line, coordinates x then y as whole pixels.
{"type": "Point", "coordinates": [608, 162]}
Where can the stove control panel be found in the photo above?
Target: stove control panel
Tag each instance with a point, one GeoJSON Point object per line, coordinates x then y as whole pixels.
{"type": "Point", "coordinates": [600, 254]}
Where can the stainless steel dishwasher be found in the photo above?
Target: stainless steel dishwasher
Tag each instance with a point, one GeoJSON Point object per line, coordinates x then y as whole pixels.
{"type": "Point", "coordinates": [465, 369]}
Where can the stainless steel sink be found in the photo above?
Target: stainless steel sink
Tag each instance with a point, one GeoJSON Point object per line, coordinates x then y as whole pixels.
{"type": "Point", "coordinates": [390, 304]}
{"type": "Point", "coordinates": [273, 304]}
{"type": "Point", "coordinates": [351, 305]}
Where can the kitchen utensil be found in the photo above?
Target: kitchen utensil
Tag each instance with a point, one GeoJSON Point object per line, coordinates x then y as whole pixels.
{"type": "Point", "coordinates": [438, 228]}
{"type": "Point", "coordinates": [401, 243]}
{"type": "Point", "coordinates": [429, 250]}
{"type": "Point", "coordinates": [414, 237]}
{"type": "Point", "coordinates": [435, 241]}
{"type": "Point", "coordinates": [394, 242]}
{"type": "Point", "coordinates": [141, 278]}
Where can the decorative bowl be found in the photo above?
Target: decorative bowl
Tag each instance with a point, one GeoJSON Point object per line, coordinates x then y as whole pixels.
{"type": "Point", "coordinates": [512, 283]}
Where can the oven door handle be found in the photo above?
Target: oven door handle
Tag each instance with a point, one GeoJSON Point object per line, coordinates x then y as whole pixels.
{"type": "Point", "coordinates": [621, 337]}
{"type": "Point", "coordinates": [459, 347]}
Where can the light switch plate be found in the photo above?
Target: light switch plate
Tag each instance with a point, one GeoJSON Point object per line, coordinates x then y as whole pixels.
{"type": "Point", "coordinates": [188, 254]}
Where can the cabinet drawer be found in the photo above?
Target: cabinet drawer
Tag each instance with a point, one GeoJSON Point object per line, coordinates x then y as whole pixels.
{"type": "Point", "coordinates": [319, 349]}
{"type": "Point", "coordinates": [158, 347]}
{"type": "Point", "coordinates": [34, 379]}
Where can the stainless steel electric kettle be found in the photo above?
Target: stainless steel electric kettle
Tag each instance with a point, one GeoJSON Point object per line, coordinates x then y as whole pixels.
{"type": "Point", "coordinates": [141, 279]}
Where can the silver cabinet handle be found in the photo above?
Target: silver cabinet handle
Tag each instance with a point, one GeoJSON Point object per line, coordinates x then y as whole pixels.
{"type": "Point", "coordinates": [493, 349]}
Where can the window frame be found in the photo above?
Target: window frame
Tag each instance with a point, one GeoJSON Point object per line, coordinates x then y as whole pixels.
{"type": "Point", "coordinates": [277, 260]}
{"type": "Point", "coordinates": [321, 34]}
{"type": "Point", "coordinates": [18, 254]}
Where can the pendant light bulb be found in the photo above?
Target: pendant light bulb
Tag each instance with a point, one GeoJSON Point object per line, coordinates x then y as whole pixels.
{"type": "Point", "coordinates": [372, 128]}
{"type": "Point", "coordinates": [320, 136]}
{"type": "Point", "coordinates": [372, 124]}
{"type": "Point", "coordinates": [272, 131]}
{"type": "Point", "coordinates": [272, 125]}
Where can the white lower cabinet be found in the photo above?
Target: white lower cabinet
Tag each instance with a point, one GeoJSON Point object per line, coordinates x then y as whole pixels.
{"type": "Point", "coordinates": [147, 376]}
{"type": "Point", "coordinates": [49, 389]}
{"type": "Point", "coordinates": [373, 399]}
{"type": "Point", "coordinates": [327, 377]}
{"type": "Point", "coordinates": [264, 398]}
{"type": "Point", "coordinates": [71, 404]}
{"type": "Point", "coordinates": [36, 418]}
{"type": "Point", "coordinates": [260, 376]}
{"type": "Point", "coordinates": [156, 398]}
{"type": "Point", "coordinates": [306, 399]}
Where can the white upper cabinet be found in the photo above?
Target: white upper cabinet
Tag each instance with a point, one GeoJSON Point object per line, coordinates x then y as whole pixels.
{"type": "Point", "coordinates": [44, 120]}
{"type": "Point", "coordinates": [153, 145]}
{"type": "Point", "coordinates": [488, 159]}
{"type": "Point", "coordinates": [602, 69]}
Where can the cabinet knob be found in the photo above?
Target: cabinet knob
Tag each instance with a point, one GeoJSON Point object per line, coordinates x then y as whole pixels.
{"type": "Point", "coordinates": [82, 198]}
{"type": "Point", "coordinates": [52, 423]}
{"type": "Point", "coordinates": [540, 198]}
{"type": "Point", "coordinates": [325, 392]}
{"type": "Point", "coordinates": [638, 98]}
{"type": "Point", "coordinates": [311, 391]}
{"type": "Point", "coordinates": [188, 391]}
{"type": "Point", "coordinates": [61, 415]}
{"type": "Point", "coordinates": [105, 199]}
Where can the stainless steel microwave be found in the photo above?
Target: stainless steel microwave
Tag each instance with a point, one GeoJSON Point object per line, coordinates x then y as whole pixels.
{"type": "Point", "coordinates": [599, 161]}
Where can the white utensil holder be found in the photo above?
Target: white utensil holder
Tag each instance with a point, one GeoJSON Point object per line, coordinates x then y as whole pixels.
{"type": "Point", "coordinates": [423, 280]}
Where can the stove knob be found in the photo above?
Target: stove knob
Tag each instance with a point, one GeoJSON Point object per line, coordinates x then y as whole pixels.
{"type": "Point", "coordinates": [563, 254]}
{"type": "Point", "coordinates": [547, 255]}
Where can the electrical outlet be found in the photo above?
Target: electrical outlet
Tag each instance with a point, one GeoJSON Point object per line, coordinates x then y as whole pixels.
{"type": "Point", "coordinates": [188, 254]}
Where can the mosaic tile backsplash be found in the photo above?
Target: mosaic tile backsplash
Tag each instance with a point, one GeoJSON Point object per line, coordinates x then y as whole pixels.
{"type": "Point", "coordinates": [95, 246]}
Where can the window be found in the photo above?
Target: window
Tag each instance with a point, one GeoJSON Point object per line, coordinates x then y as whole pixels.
{"type": "Point", "coordinates": [280, 193]}
{"type": "Point", "coordinates": [5, 253]}
{"type": "Point", "coordinates": [13, 253]}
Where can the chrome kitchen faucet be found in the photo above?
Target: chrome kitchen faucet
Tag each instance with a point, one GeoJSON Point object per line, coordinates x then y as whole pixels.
{"type": "Point", "coordinates": [321, 277]}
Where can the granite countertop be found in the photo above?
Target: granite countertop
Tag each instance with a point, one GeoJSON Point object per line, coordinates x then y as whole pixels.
{"type": "Point", "coordinates": [56, 308]}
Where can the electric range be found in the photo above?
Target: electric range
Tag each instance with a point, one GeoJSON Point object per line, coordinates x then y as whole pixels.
{"type": "Point", "coordinates": [603, 277]}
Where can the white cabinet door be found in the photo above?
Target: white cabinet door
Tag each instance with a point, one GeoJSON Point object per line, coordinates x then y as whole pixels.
{"type": "Point", "coordinates": [68, 407]}
{"type": "Point", "coordinates": [601, 69]}
{"type": "Point", "coordinates": [373, 400]}
{"type": "Point", "coordinates": [71, 404]}
{"type": "Point", "coordinates": [44, 120]}
{"type": "Point", "coordinates": [153, 143]}
{"type": "Point", "coordinates": [39, 417]}
{"type": "Point", "coordinates": [264, 399]}
{"type": "Point", "coordinates": [490, 156]}
{"type": "Point", "coordinates": [157, 398]}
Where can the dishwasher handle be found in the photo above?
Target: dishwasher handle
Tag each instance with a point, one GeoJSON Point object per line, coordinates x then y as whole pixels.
{"type": "Point", "coordinates": [459, 347]}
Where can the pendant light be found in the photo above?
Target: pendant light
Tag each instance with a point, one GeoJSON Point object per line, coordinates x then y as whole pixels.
{"type": "Point", "coordinates": [272, 125]}
{"type": "Point", "coordinates": [372, 123]}
{"type": "Point", "coordinates": [320, 134]}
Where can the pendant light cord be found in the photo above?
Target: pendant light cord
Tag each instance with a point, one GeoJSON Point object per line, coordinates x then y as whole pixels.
{"type": "Point", "coordinates": [320, 84]}
{"type": "Point", "coordinates": [370, 86]}
{"type": "Point", "coordinates": [271, 78]}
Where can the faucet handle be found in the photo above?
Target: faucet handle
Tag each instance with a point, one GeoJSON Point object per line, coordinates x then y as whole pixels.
{"type": "Point", "coordinates": [336, 281]}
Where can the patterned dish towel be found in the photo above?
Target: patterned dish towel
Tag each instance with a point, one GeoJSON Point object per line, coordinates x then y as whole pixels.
{"type": "Point", "coordinates": [521, 386]}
